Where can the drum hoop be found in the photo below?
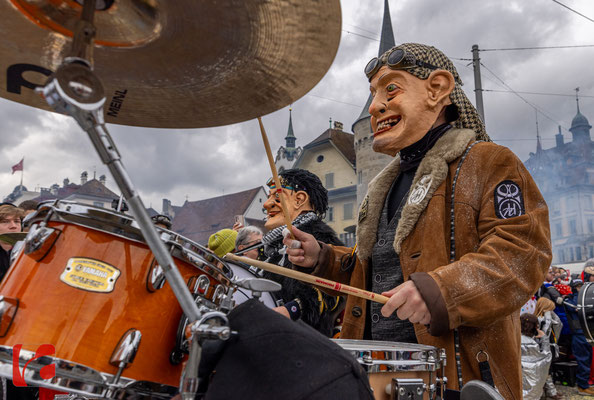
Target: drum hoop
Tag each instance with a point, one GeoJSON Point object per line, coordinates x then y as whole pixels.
{"type": "Point", "coordinates": [419, 358]}
{"type": "Point", "coordinates": [72, 376]}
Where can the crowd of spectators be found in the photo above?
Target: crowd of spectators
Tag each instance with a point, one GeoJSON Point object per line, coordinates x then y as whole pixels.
{"type": "Point", "coordinates": [551, 332]}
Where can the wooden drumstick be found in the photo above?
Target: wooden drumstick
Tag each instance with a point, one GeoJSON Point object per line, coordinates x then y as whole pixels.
{"type": "Point", "coordinates": [314, 280]}
{"type": "Point", "coordinates": [279, 188]}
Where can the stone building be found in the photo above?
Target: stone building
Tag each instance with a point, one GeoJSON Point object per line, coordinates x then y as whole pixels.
{"type": "Point", "coordinates": [565, 176]}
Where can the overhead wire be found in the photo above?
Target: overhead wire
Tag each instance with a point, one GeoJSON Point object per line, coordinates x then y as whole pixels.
{"type": "Point", "coordinates": [572, 10]}
{"type": "Point", "coordinates": [539, 47]}
{"type": "Point", "coordinates": [544, 114]}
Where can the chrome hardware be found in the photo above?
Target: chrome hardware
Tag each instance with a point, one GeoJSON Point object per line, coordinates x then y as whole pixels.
{"type": "Point", "coordinates": [125, 351]}
{"type": "Point", "coordinates": [212, 325]}
{"type": "Point", "coordinates": [257, 285]}
{"type": "Point", "coordinates": [40, 240]}
{"type": "Point", "coordinates": [218, 294]}
{"type": "Point", "coordinates": [202, 284]}
{"type": "Point", "coordinates": [156, 277]}
{"type": "Point", "coordinates": [8, 309]}
{"type": "Point", "coordinates": [81, 379]}
{"type": "Point", "coordinates": [407, 389]}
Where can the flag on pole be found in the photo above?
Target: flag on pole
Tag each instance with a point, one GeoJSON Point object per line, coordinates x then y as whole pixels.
{"type": "Point", "coordinates": [19, 166]}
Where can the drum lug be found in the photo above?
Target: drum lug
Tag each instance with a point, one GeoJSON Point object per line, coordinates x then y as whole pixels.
{"type": "Point", "coordinates": [8, 309]}
{"type": "Point", "coordinates": [156, 277]}
{"type": "Point", "coordinates": [407, 389]}
{"type": "Point", "coordinates": [40, 240]}
{"type": "Point", "coordinates": [125, 351]}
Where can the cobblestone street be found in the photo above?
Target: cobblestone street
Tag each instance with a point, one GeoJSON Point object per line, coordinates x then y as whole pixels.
{"type": "Point", "coordinates": [571, 393]}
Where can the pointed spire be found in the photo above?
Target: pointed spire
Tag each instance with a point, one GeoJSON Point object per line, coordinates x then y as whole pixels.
{"type": "Point", "coordinates": [386, 43]}
{"type": "Point", "coordinates": [387, 35]}
{"type": "Point", "coordinates": [290, 133]}
{"type": "Point", "coordinates": [577, 98]}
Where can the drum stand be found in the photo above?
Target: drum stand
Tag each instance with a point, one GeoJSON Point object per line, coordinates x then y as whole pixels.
{"type": "Point", "coordinates": [74, 90]}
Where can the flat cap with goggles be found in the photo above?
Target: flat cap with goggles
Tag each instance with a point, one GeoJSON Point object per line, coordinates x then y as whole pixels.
{"type": "Point", "coordinates": [397, 58]}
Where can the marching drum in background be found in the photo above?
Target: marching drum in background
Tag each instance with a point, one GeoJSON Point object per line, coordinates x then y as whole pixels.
{"type": "Point", "coordinates": [87, 283]}
{"type": "Point", "coordinates": [400, 370]}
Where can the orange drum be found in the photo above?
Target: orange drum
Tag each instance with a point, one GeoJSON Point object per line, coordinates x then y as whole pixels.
{"type": "Point", "coordinates": [86, 283]}
{"type": "Point", "coordinates": [399, 370]}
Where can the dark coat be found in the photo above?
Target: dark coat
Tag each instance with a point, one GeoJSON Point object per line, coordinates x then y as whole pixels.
{"type": "Point", "coordinates": [318, 308]}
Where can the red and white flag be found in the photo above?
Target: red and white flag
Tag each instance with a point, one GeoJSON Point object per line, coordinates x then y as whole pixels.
{"type": "Point", "coordinates": [18, 167]}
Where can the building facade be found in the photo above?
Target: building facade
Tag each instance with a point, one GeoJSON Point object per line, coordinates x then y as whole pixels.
{"type": "Point", "coordinates": [565, 176]}
{"type": "Point", "coordinates": [331, 156]}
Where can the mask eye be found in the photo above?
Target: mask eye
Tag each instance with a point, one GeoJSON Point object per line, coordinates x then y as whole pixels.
{"type": "Point", "coordinates": [391, 87]}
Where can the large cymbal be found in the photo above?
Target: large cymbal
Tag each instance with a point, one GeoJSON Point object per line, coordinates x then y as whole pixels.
{"type": "Point", "coordinates": [177, 63]}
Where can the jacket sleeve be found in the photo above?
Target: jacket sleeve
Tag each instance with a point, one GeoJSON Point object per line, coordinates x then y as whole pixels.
{"type": "Point", "coordinates": [512, 255]}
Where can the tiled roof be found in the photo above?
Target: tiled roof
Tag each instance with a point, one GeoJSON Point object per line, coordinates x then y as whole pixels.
{"type": "Point", "coordinates": [197, 220]}
{"type": "Point", "coordinates": [344, 142]}
{"type": "Point", "coordinates": [91, 188]}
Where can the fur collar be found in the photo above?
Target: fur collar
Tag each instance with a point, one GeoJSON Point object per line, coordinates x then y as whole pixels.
{"type": "Point", "coordinates": [430, 174]}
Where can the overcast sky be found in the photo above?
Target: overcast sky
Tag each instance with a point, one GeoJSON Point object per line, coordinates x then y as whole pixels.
{"type": "Point", "coordinates": [202, 163]}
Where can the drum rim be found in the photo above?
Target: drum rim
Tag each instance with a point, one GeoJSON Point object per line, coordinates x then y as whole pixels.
{"type": "Point", "coordinates": [126, 227]}
{"type": "Point", "coordinates": [67, 379]}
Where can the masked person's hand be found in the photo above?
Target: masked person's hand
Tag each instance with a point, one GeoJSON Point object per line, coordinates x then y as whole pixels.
{"type": "Point", "coordinates": [408, 303]}
{"type": "Point", "coordinates": [304, 250]}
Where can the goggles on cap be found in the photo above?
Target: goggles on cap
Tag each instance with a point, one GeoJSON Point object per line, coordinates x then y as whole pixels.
{"type": "Point", "coordinates": [396, 59]}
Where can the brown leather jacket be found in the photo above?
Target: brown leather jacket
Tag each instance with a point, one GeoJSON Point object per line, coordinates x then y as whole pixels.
{"type": "Point", "coordinates": [502, 253]}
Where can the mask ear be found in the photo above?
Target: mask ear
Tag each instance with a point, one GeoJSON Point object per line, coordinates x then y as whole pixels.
{"type": "Point", "coordinates": [439, 85]}
{"type": "Point", "coordinates": [301, 200]}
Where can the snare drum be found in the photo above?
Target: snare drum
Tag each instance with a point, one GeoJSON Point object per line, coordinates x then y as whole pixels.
{"type": "Point", "coordinates": [399, 370]}
{"type": "Point", "coordinates": [87, 284]}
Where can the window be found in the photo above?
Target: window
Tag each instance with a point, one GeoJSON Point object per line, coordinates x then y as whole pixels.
{"type": "Point", "coordinates": [320, 158]}
{"type": "Point", "coordinates": [571, 254]}
{"type": "Point", "coordinates": [591, 252]}
{"type": "Point", "coordinates": [591, 226]}
{"type": "Point", "coordinates": [360, 177]}
{"type": "Point", "coordinates": [588, 202]}
{"type": "Point", "coordinates": [578, 253]}
{"type": "Point", "coordinates": [329, 180]}
{"type": "Point", "coordinates": [572, 227]}
{"type": "Point", "coordinates": [348, 211]}
{"type": "Point", "coordinates": [98, 203]}
{"type": "Point", "coordinates": [559, 229]}
{"type": "Point", "coordinates": [330, 214]}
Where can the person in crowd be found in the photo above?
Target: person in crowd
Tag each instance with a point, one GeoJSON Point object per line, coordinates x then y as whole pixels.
{"type": "Point", "coordinates": [535, 362]}
{"type": "Point", "coordinates": [588, 272]}
{"type": "Point", "coordinates": [581, 349]}
{"type": "Point", "coordinates": [10, 222]}
{"type": "Point", "coordinates": [222, 242]}
{"type": "Point", "coordinates": [248, 238]}
{"type": "Point", "coordinates": [453, 230]}
{"type": "Point", "coordinates": [550, 325]}
{"type": "Point", "coordinates": [28, 206]}
{"type": "Point", "coordinates": [307, 202]}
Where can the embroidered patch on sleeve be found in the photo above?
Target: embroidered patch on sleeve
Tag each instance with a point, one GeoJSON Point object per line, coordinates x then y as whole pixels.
{"type": "Point", "coordinates": [509, 202]}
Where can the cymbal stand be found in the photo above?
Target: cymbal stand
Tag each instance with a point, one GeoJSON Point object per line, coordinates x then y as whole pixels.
{"type": "Point", "coordinates": [76, 91]}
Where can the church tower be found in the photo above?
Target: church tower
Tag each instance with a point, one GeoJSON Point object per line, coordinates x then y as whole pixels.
{"type": "Point", "coordinates": [370, 163]}
{"type": "Point", "coordinates": [288, 154]}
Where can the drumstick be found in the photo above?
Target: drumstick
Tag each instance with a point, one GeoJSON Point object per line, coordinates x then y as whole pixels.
{"type": "Point", "coordinates": [279, 188]}
{"type": "Point", "coordinates": [314, 280]}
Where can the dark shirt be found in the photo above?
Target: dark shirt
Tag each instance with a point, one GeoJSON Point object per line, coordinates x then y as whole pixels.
{"type": "Point", "coordinates": [4, 262]}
